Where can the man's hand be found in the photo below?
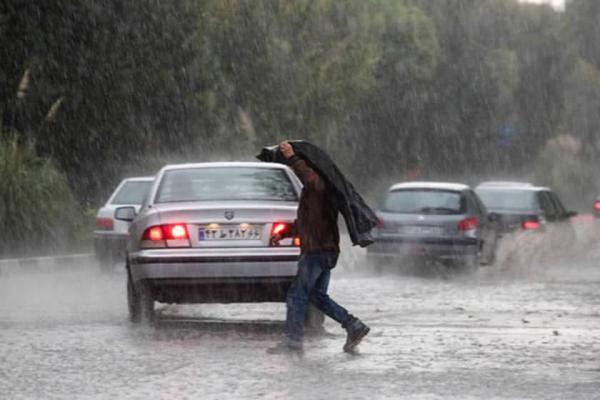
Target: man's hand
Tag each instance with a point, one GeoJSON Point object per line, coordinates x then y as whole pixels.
{"type": "Point", "coordinates": [286, 149]}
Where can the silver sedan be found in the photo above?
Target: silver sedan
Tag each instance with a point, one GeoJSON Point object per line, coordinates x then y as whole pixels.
{"type": "Point", "coordinates": [204, 233]}
{"type": "Point", "coordinates": [434, 220]}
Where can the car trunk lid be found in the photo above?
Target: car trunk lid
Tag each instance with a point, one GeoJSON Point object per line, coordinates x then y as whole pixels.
{"type": "Point", "coordinates": [228, 224]}
{"type": "Point", "coordinates": [419, 225]}
{"type": "Point", "coordinates": [512, 220]}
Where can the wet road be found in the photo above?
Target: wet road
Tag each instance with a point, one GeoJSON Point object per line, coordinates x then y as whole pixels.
{"type": "Point", "coordinates": [503, 333]}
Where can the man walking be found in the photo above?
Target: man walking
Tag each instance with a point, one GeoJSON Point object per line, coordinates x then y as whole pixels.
{"type": "Point", "coordinates": [319, 237]}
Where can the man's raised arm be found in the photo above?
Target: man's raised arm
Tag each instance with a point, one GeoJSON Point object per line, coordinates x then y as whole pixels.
{"type": "Point", "coordinates": [307, 175]}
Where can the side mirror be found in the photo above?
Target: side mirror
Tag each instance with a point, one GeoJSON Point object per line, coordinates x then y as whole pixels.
{"type": "Point", "coordinates": [125, 214]}
{"type": "Point", "coordinates": [571, 214]}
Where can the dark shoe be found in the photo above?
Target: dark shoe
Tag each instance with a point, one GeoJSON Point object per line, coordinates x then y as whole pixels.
{"type": "Point", "coordinates": [356, 332]}
{"type": "Point", "coordinates": [286, 349]}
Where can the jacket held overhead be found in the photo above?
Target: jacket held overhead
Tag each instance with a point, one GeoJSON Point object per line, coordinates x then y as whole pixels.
{"type": "Point", "coordinates": [317, 223]}
{"type": "Point", "coordinates": [359, 217]}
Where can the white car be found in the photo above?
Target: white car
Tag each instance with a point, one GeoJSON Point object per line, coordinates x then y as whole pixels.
{"type": "Point", "coordinates": [204, 236]}
{"type": "Point", "coordinates": [110, 235]}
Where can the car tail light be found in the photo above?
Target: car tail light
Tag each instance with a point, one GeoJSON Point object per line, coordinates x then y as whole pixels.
{"type": "Point", "coordinates": [176, 232]}
{"type": "Point", "coordinates": [284, 229]}
{"type": "Point", "coordinates": [154, 234]}
{"type": "Point", "coordinates": [104, 224]}
{"type": "Point", "coordinates": [468, 224]}
{"type": "Point", "coordinates": [597, 205]}
{"type": "Point", "coordinates": [380, 223]}
{"type": "Point", "coordinates": [281, 228]}
{"type": "Point", "coordinates": [171, 235]}
{"type": "Point", "coordinates": [529, 225]}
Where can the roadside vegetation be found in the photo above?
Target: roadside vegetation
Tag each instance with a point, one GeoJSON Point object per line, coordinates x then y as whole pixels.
{"type": "Point", "coordinates": [37, 210]}
{"type": "Point", "coordinates": [395, 89]}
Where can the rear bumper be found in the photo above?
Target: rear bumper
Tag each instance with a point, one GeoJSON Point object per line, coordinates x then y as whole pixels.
{"type": "Point", "coordinates": [434, 248]}
{"type": "Point", "coordinates": [216, 275]}
{"type": "Point", "coordinates": [213, 270]}
{"type": "Point", "coordinates": [507, 228]}
{"type": "Point", "coordinates": [220, 290]}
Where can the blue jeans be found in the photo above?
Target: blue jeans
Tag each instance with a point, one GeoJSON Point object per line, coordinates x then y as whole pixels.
{"type": "Point", "coordinates": [310, 285]}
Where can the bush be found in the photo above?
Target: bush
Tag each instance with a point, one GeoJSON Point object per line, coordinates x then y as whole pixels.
{"type": "Point", "coordinates": [37, 209]}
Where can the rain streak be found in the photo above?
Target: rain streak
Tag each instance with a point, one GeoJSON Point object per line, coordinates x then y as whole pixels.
{"type": "Point", "coordinates": [171, 174]}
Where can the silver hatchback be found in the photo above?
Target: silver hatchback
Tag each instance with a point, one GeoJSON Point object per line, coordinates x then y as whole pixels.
{"type": "Point", "coordinates": [204, 235]}
{"type": "Point", "coordinates": [429, 220]}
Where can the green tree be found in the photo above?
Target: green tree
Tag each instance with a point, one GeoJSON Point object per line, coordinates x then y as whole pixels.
{"type": "Point", "coordinates": [285, 68]}
{"type": "Point", "coordinates": [584, 30]}
{"type": "Point", "coordinates": [583, 107]}
{"type": "Point", "coordinates": [112, 74]}
{"type": "Point", "coordinates": [386, 133]}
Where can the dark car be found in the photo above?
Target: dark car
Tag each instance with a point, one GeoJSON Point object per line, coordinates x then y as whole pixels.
{"type": "Point", "coordinates": [525, 206]}
{"type": "Point", "coordinates": [428, 220]}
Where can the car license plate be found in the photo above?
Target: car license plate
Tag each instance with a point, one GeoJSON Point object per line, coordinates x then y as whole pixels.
{"type": "Point", "coordinates": [229, 232]}
{"type": "Point", "coordinates": [421, 230]}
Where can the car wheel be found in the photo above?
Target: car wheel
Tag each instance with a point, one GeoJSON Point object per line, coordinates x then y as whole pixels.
{"type": "Point", "coordinates": [139, 301]}
{"type": "Point", "coordinates": [491, 258]}
{"type": "Point", "coordinates": [314, 319]}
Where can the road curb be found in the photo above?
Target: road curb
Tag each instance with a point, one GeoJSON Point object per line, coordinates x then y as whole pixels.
{"type": "Point", "coordinates": [46, 263]}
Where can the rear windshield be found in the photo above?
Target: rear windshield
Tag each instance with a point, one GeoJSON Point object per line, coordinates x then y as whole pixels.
{"type": "Point", "coordinates": [225, 183]}
{"type": "Point", "coordinates": [132, 192]}
{"type": "Point", "coordinates": [507, 199]}
{"type": "Point", "coordinates": [424, 201]}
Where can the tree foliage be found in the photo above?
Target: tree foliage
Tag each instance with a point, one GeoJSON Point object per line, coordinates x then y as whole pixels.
{"type": "Point", "coordinates": [390, 87]}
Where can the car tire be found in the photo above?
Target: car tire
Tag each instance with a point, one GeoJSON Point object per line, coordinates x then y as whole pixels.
{"type": "Point", "coordinates": [139, 301]}
{"type": "Point", "coordinates": [491, 258]}
{"type": "Point", "coordinates": [107, 257]}
{"type": "Point", "coordinates": [103, 256]}
{"type": "Point", "coordinates": [314, 319]}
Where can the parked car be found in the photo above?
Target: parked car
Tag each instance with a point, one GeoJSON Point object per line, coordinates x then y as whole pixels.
{"type": "Point", "coordinates": [110, 235]}
{"type": "Point", "coordinates": [204, 236]}
{"type": "Point", "coordinates": [442, 221]}
{"type": "Point", "coordinates": [526, 207]}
